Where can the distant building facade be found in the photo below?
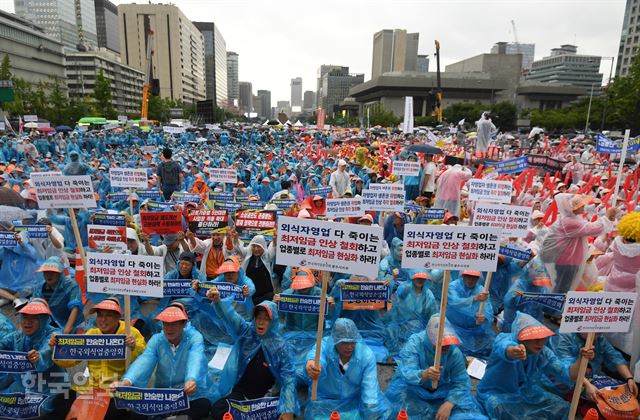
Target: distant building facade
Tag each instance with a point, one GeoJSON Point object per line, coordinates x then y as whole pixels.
{"type": "Point", "coordinates": [215, 62]}
{"type": "Point", "coordinates": [629, 38]}
{"type": "Point", "coordinates": [565, 66]}
{"type": "Point", "coordinates": [106, 25]}
{"type": "Point", "coordinates": [394, 50]}
{"type": "Point", "coordinates": [233, 89]}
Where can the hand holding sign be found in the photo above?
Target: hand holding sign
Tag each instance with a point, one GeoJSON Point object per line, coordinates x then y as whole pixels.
{"type": "Point", "coordinates": [214, 294]}
{"type": "Point", "coordinates": [518, 352]}
{"type": "Point", "coordinates": [33, 356]}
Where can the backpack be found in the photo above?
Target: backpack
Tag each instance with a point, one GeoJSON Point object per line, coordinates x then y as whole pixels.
{"type": "Point", "coordinates": [170, 173]}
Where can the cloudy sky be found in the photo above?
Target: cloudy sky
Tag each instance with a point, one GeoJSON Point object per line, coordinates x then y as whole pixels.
{"type": "Point", "coordinates": [279, 40]}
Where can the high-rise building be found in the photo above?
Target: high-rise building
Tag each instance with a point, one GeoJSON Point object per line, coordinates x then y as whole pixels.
{"type": "Point", "coordinates": [335, 87]}
{"type": "Point", "coordinates": [215, 62]}
{"type": "Point", "coordinates": [233, 90]}
{"type": "Point", "coordinates": [283, 107]}
{"type": "Point", "coordinates": [322, 70]}
{"type": "Point", "coordinates": [629, 38]}
{"type": "Point", "coordinates": [178, 48]}
{"type": "Point", "coordinates": [245, 102]}
{"type": "Point", "coordinates": [565, 66]}
{"type": "Point", "coordinates": [394, 50]}
{"type": "Point", "coordinates": [106, 24]}
{"type": "Point", "coordinates": [309, 101]}
{"type": "Point", "coordinates": [296, 94]}
{"type": "Point", "coordinates": [422, 63]}
{"type": "Point", "coordinates": [63, 20]}
{"type": "Point", "coordinates": [264, 98]}
{"type": "Point", "coordinates": [528, 51]}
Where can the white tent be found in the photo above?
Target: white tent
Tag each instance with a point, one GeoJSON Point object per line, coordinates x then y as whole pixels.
{"type": "Point", "coordinates": [288, 123]}
{"type": "Point", "coordinates": [298, 124]}
{"type": "Point", "coordinates": [266, 122]}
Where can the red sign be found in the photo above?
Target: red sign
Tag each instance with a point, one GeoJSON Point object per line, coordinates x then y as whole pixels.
{"type": "Point", "coordinates": [161, 222]}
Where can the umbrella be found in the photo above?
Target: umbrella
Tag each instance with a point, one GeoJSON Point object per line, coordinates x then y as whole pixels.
{"type": "Point", "coordinates": [424, 148]}
{"type": "Point", "coordinates": [64, 128]}
{"type": "Point", "coordinates": [9, 214]}
{"type": "Point", "coordinates": [10, 197]}
{"type": "Point", "coordinates": [31, 125]}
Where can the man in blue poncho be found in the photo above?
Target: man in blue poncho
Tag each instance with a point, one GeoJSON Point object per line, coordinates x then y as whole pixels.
{"type": "Point", "coordinates": [412, 388]}
{"type": "Point", "coordinates": [16, 271]}
{"type": "Point", "coordinates": [390, 266]}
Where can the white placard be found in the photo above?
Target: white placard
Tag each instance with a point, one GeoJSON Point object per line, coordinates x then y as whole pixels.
{"type": "Point", "coordinates": [44, 125]}
{"type": "Point", "coordinates": [329, 246]}
{"type": "Point", "coordinates": [128, 178]}
{"type": "Point", "coordinates": [224, 175]}
{"type": "Point", "coordinates": [57, 191]}
{"type": "Point", "coordinates": [135, 275]}
{"type": "Point", "coordinates": [2, 126]}
{"type": "Point", "coordinates": [405, 168]}
{"type": "Point", "coordinates": [601, 312]}
{"type": "Point", "coordinates": [490, 190]}
{"type": "Point", "coordinates": [122, 118]}
{"type": "Point", "coordinates": [219, 359]}
{"type": "Point", "coordinates": [149, 149]}
{"type": "Point", "coordinates": [383, 197]}
{"type": "Point", "coordinates": [103, 235]}
{"type": "Point", "coordinates": [477, 368]}
{"type": "Point", "coordinates": [174, 130]}
{"type": "Point", "coordinates": [344, 207]}
{"type": "Point", "coordinates": [511, 220]}
{"type": "Point", "coordinates": [110, 126]}
{"type": "Point", "coordinates": [450, 247]}
{"type": "Point", "coordinates": [30, 118]}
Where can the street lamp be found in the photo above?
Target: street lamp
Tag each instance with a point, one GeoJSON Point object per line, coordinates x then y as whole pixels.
{"type": "Point", "coordinates": [606, 102]}
{"type": "Point", "coordinates": [586, 125]}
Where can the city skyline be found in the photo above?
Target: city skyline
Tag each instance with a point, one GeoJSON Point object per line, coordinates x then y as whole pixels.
{"type": "Point", "coordinates": [258, 44]}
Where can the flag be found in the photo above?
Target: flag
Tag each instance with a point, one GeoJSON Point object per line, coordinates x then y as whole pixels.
{"type": "Point", "coordinates": [20, 126]}
{"type": "Point", "coordinates": [80, 276]}
{"type": "Point", "coordinates": [407, 125]}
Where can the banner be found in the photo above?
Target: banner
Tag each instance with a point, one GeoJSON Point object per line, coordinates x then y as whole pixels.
{"type": "Point", "coordinates": [258, 409]}
{"type": "Point", "coordinates": [8, 239]}
{"type": "Point", "coordinates": [405, 168]}
{"type": "Point", "coordinates": [90, 347]}
{"type": "Point", "coordinates": [221, 196]}
{"type": "Point", "coordinates": [301, 304]}
{"type": "Point", "coordinates": [606, 145]}
{"type": "Point", "coordinates": [182, 197]}
{"type": "Point", "coordinates": [112, 236]}
{"type": "Point", "coordinates": [600, 381]}
{"type": "Point", "coordinates": [15, 362]}
{"type": "Point", "coordinates": [553, 301]}
{"type": "Point", "coordinates": [128, 178]}
{"type": "Point", "coordinates": [252, 205]}
{"type": "Point", "coordinates": [135, 275]}
{"type": "Point", "coordinates": [513, 221]}
{"type": "Point", "coordinates": [224, 175]}
{"type": "Point", "coordinates": [407, 124]}
{"type": "Point", "coordinates": [161, 222]}
{"type": "Point", "coordinates": [30, 118]}
{"type": "Point", "coordinates": [364, 290]}
{"type": "Point", "coordinates": [57, 191]}
{"type": "Point", "coordinates": [546, 163]}
{"type": "Point", "coordinates": [204, 223]}
{"type": "Point", "coordinates": [149, 149]}
{"type": "Point", "coordinates": [329, 246]}
{"type": "Point", "coordinates": [601, 312]}
{"type": "Point", "coordinates": [174, 130]}
{"type": "Point", "coordinates": [107, 219]}
{"type": "Point", "coordinates": [226, 290]}
{"type": "Point", "coordinates": [176, 287]}
{"type": "Point", "coordinates": [229, 207]}
{"type": "Point", "coordinates": [450, 247]}
{"type": "Point", "coordinates": [515, 252]}
{"type": "Point", "coordinates": [284, 204]}
{"type": "Point", "coordinates": [489, 190]}
{"type": "Point", "coordinates": [321, 191]}
{"type": "Point", "coordinates": [510, 166]}
{"type": "Point", "coordinates": [158, 206]}
{"type": "Point", "coordinates": [427, 215]}
{"type": "Point", "coordinates": [344, 207]}
{"type": "Point", "coordinates": [150, 401]}
{"type": "Point", "coordinates": [122, 196]}
{"type": "Point", "coordinates": [148, 194]}
{"type": "Point", "coordinates": [17, 405]}
{"type": "Point", "coordinates": [383, 197]}
{"type": "Point", "coordinates": [34, 231]}
{"type": "Point", "coordinates": [255, 222]}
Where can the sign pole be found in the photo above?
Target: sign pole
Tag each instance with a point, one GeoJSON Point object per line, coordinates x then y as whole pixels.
{"type": "Point", "coordinates": [443, 317]}
{"type": "Point", "coordinates": [623, 156]}
{"type": "Point", "coordinates": [323, 303]}
{"type": "Point", "coordinates": [582, 369]}
{"type": "Point", "coordinates": [131, 203]}
{"type": "Point", "coordinates": [127, 326]}
{"type": "Point", "coordinates": [76, 234]}
{"type": "Point", "coordinates": [487, 284]}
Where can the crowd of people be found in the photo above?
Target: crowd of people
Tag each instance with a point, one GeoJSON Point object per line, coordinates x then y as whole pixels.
{"type": "Point", "coordinates": [584, 234]}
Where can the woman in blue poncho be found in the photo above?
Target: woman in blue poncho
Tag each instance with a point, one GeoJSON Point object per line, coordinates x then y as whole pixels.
{"type": "Point", "coordinates": [18, 264]}
{"type": "Point", "coordinates": [390, 266]}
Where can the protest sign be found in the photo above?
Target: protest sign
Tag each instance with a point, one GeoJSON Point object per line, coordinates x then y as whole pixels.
{"type": "Point", "coordinates": [34, 231]}
{"type": "Point", "coordinates": [490, 190]}
{"type": "Point", "coordinates": [204, 223]}
{"type": "Point", "coordinates": [364, 290]}
{"type": "Point", "coordinates": [546, 163]}
{"type": "Point", "coordinates": [252, 205]}
{"type": "Point", "coordinates": [601, 312]}
{"type": "Point", "coordinates": [383, 197]}
{"type": "Point", "coordinates": [513, 221]}
{"type": "Point", "coordinates": [122, 118]}
{"type": "Point", "coordinates": [30, 118]}
{"type": "Point", "coordinates": [600, 381]}
{"type": "Point", "coordinates": [173, 130]}
{"type": "Point", "coordinates": [15, 362]}
{"type": "Point", "coordinates": [128, 178]}
{"type": "Point", "coordinates": [321, 191]}
{"type": "Point", "coordinates": [161, 222]}
{"type": "Point", "coordinates": [17, 405]}
{"type": "Point", "coordinates": [150, 401]}
{"type": "Point", "coordinates": [8, 239]}
{"type": "Point", "coordinates": [2, 126]}
{"type": "Point", "coordinates": [450, 247]}
{"type": "Point", "coordinates": [221, 196]}
{"type": "Point", "coordinates": [148, 194]}
{"type": "Point", "coordinates": [301, 304]}
{"type": "Point", "coordinates": [510, 166]}
{"type": "Point", "coordinates": [330, 246]}
{"type": "Point", "coordinates": [224, 175]}
{"type": "Point", "coordinates": [112, 236]}
{"type": "Point", "coordinates": [182, 197]}
{"type": "Point", "coordinates": [176, 287]}
{"type": "Point", "coordinates": [255, 222]}
{"type": "Point", "coordinates": [226, 290]}
{"type": "Point", "coordinates": [158, 206]}
{"type": "Point", "coordinates": [553, 301]}
{"type": "Point", "coordinates": [427, 215]}
{"type": "Point", "coordinates": [258, 409]}
{"type": "Point", "coordinates": [344, 207]}
{"type": "Point", "coordinates": [609, 146]}
{"type": "Point", "coordinates": [136, 275]}
{"type": "Point", "coordinates": [107, 219]}
{"type": "Point", "coordinates": [149, 149]}
{"type": "Point", "coordinates": [513, 251]}
{"type": "Point", "coordinates": [122, 196]}
{"type": "Point", "coordinates": [405, 168]}
{"type": "Point", "coordinates": [57, 191]}
{"type": "Point", "coordinates": [283, 204]}
{"type": "Point", "coordinates": [89, 347]}
{"type": "Point", "coordinates": [230, 207]}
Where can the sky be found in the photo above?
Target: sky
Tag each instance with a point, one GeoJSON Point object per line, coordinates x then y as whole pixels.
{"type": "Point", "coordinates": [279, 40]}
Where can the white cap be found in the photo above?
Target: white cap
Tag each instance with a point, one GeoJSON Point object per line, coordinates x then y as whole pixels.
{"type": "Point", "coordinates": [131, 234]}
{"type": "Point", "coordinates": [341, 162]}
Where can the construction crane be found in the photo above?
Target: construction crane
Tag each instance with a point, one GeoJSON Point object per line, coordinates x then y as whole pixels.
{"type": "Point", "coordinates": [148, 87]}
{"type": "Point", "coordinates": [517, 41]}
{"type": "Point", "coordinates": [439, 87]}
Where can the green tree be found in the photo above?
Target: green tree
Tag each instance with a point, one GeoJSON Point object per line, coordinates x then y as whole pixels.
{"type": "Point", "coordinates": [5, 68]}
{"type": "Point", "coordinates": [58, 103]}
{"type": "Point", "coordinates": [379, 116]}
{"type": "Point", "coordinates": [624, 101]}
{"type": "Point", "coordinates": [103, 106]}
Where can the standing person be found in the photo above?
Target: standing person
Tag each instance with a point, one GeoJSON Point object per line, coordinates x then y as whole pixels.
{"type": "Point", "coordinates": [169, 175]}
{"type": "Point", "coordinates": [484, 128]}
{"type": "Point", "coordinates": [340, 180]}
{"type": "Point", "coordinates": [448, 194]}
{"type": "Point", "coordinates": [428, 182]}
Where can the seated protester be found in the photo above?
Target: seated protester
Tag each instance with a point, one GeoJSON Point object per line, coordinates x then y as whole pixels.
{"type": "Point", "coordinates": [51, 246]}
{"type": "Point", "coordinates": [413, 305]}
{"type": "Point", "coordinates": [103, 372]}
{"type": "Point", "coordinates": [260, 358]}
{"type": "Point", "coordinates": [6, 326]}
{"type": "Point", "coordinates": [303, 283]}
{"type": "Point", "coordinates": [435, 284]}
{"type": "Point", "coordinates": [367, 220]}
{"type": "Point", "coordinates": [390, 266]}
{"type": "Point", "coordinates": [16, 271]}
{"type": "Point", "coordinates": [172, 246]}
{"type": "Point", "coordinates": [177, 357]}
{"type": "Point", "coordinates": [501, 280]}
{"type": "Point", "coordinates": [213, 250]}
{"type": "Point", "coordinates": [347, 377]}
{"type": "Point", "coordinates": [135, 247]}
{"type": "Point", "coordinates": [412, 388]}
{"type": "Point", "coordinates": [511, 387]}
{"type": "Point", "coordinates": [258, 266]}
{"type": "Point", "coordinates": [32, 338]}
{"type": "Point", "coordinates": [61, 293]}
{"type": "Point", "coordinates": [465, 295]}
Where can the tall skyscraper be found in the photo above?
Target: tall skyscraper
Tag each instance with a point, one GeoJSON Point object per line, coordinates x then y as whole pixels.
{"type": "Point", "coordinates": [528, 51]}
{"type": "Point", "coordinates": [215, 62]}
{"type": "Point", "coordinates": [322, 70]}
{"type": "Point", "coordinates": [422, 63]}
{"type": "Point", "coordinates": [629, 38]}
{"type": "Point", "coordinates": [233, 90]}
{"type": "Point", "coordinates": [106, 24]}
{"type": "Point", "coordinates": [296, 94]}
{"type": "Point", "coordinates": [264, 98]}
{"type": "Point", "coordinates": [394, 50]}
{"type": "Point", "coordinates": [245, 102]}
{"type": "Point", "coordinates": [565, 66]}
{"type": "Point", "coordinates": [309, 101]}
{"type": "Point", "coordinates": [335, 87]}
{"type": "Point", "coordinates": [63, 20]}
{"type": "Point", "coordinates": [178, 48]}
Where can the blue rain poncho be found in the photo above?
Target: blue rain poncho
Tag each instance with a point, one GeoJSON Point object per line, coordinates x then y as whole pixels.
{"type": "Point", "coordinates": [461, 312]}
{"type": "Point", "coordinates": [6, 326]}
{"type": "Point", "coordinates": [355, 394]}
{"type": "Point", "coordinates": [391, 262]}
{"type": "Point", "coordinates": [435, 284]}
{"type": "Point", "coordinates": [83, 219]}
{"type": "Point", "coordinates": [369, 322]}
{"type": "Point", "coordinates": [18, 265]}
{"type": "Point", "coordinates": [408, 391]}
{"type": "Point", "coordinates": [501, 280]}
{"type": "Point", "coordinates": [173, 369]}
{"type": "Point", "coordinates": [606, 358]}
{"type": "Point", "coordinates": [245, 309]}
{"type": "Point", "coordinates": [511, 389]}
{"type": "Point", "coordinates": [247, 343]}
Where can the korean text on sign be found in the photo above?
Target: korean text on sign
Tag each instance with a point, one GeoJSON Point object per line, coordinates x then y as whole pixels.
{"type": "Point", "coordinates": [450, 247]}
{"type": "Point", "coordinates": [405, 168]}
{"type": "Point", "coordinates": [383, 197]}
{"type": "Point", "coordinates": [176, 287]}
{"type": "Point", "coordinates": [258, 409]}
{"type": "Point", "coordinates": [227, 290]}
{"type": "Point", "coordinates": [135, 275]}
{"type": "Point", "coordinates": [34, 231]}
{"type": "Point", "coordinates": [511, 220]}
{"type": "Point", "coordinates": [15, 362]}
{"type": "Point", "coordinates": [150, 401]}
{"type": "Point", "coordinates": [57, 191]}
{"type": "Point", "coordinates": [490, 190]}
{"type": "Point", "coordinates": [601, 312]}
{"type": "Point", "coordinates": [512, 251]}
{"type": "Point", "coordinates": [107, 219]}
{"type": "Point", "coordinates": [510, 166]}
{"type": "Point", "coordinates": [89, 347]}
{"type": "Point", "coordinates": [204, 223]}
{"type": "Point", "coordinates": [364, 290]}
{"type": "Point", "coordinates": [301, 304]}
{"type": "Point", "coordinates": [114, 237]}
{"type": "Point", "coordinates": [128, 178]}
{"type": "Point", "coordinates": [330, 246]}
{"type": "Point", "coordinates": [344, 207]}
{"type": "Point", "coordinates": [21, 406]}
{"type": "Point", "coordinates": [161, 222]}
{"type": "Point", "coordinates": [226, 176]}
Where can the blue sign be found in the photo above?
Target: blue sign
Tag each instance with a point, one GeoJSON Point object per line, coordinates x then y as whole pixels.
{"type": "Point", "coordinates": [301, 304]}
{"type": "Point", "coordinates": [510, 166]}
{"type": "Point", "coordinates": [606, 145]}
{"type": "Point", "coordinates": [180, 197]}
{"type": "Point", "coordinates": [20, 406]}
{"type": "Point", "coordinates": [34, 231]}
{"type": "Point", "coordinates": [600, 381]}
{"type": "Point", "coordinates": [433, 214]}
{"type": "Point", "coordinates": [230, 207]}
{"type": "Point", "coordinates": [226, 290]}
{"type": "Point", "coordinates": [363, 290]}
{"type": "Point", "coordinates": [553, 301]}
{"type": "Point", "coordinates": [148, 194]}
{"type": "Point", "coordinates": [8, 239]}
{"type": "Point", "coordinates": [258, 409]}
{"type": "Point", "coordinates": [118, 196]}
{"type": "Point", "coordinates": [321, 191]}
{"type": "Point", "coordinates": [150, 401]}
{"type": "Point", "coordinates": [89, 347]}
{"type": "Point", "coordinates": [176, 287]}
{"type": "Point", "coordinates": [221, 196]}
{"type": "Point", "coordinates": [252, 205]}
{"type": "Point", "coordinates": [159, 206]}
{"type": "Point", "coordinates": [283, 204]}
{"type": "Point", "coordinates": [15, 362]}
{"type": "Point", "coordinates": [107, 219]}
{"type": "Point", "coordinates": [515, 252]}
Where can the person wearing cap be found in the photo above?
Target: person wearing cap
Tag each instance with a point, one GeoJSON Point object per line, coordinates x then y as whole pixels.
{"type": "Point", "coordinates": [83, 218]}
{"type": "Point", "coordinates": [75, 165]}
{"type": "Point", "coordinates": [450, 219]}
{"type": "Point", "coordinates": [200, 187]}
{"type": "Point", "coordinates": [169, 174]}
{"type": "Point", "coordinates": [448, 188]}
{"type": "Point", "coordinates": [285, 193]}
{"type": "Point", "coordinates": [511, 386]}
{"type": "Point", "coordinates": [411, 387]}
{"type": "Point", "coordinates": [393, 226]}
{"type": "Point", "coordinates": [303, 283]}
{"type": "Point", "coordinates": [103, 372]}
{"type": "Point", "coordinates": [537, 232]}
{"type": "Point", "coordinates": [170, 249]}
{"type": "Point", "coordinates": [263, 188]}
{"type": "Point", "coordinates": [51, 246]}
{"type": "Point", "coordinates": [18, 265]}
{"type": "Point", "coordinates": [347, 377]}
{"type": "Point", "coordinates": [340, 179]}
{"type": "Point", "coordinates": [258, 265]}
{"type": "Point", "coordinates": [391, 266]}
{"type": "Point", "coordinates": [47, 378]}
{"type": "Point", "coordinates": [214, 250]}
{"type": "Point", "coordinates": [263, 358]}
{"type": "Point", "coordinates": [178, 358]}
{"type": "Point", "coordinates": [465, 296]}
